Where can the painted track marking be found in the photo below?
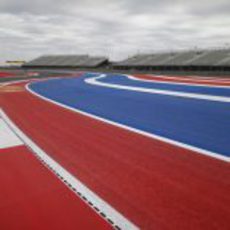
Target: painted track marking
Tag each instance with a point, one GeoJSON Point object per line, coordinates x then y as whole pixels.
{"type": "Point", "coordinates": [7, 137]}
{"type": "Point", "coordinates": [138, 131]}
{"type": "Point", "coordinates": [94, 81]}
{"type": "Point", "coordinates": [117, 220]}
{"type": "Point", "coordinates": [194, 78]}
{"type": "Point", "coordinates": [176, 83]}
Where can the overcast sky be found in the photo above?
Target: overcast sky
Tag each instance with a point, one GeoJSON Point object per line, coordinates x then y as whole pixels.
{"type": "Point", "coordinates": [115, 28]}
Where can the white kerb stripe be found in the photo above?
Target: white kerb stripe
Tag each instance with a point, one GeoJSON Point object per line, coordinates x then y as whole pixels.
{"type": "Point", "coordinates": [177, 83]}
{"type": "Point", "coordinates": [93, 81]}
{"type": "Point", "coordinates": [118, 219]}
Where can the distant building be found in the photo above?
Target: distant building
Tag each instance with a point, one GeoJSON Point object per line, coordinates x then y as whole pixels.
{"type": "Point", "coordinates": [15, 63]}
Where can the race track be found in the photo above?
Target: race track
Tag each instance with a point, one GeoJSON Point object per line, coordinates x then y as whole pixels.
{"type": "Point", "coordinates": [158, 153]}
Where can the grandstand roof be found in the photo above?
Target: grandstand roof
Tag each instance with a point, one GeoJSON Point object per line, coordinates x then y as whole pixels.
{"type": "Point", "coordinates": [182, 58]}
{"type": "Point", "coordinates": [66, 61]}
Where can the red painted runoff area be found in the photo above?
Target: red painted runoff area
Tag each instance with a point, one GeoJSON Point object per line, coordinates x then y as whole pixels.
{"type": "Point", "coordinates": [154, 184]}
{"type": "Point", "coordinates": [6, 74]}
{"type": "Point", "coordinates": [188, 80]}
{"type": "Point", "coordinates": [32, 197]}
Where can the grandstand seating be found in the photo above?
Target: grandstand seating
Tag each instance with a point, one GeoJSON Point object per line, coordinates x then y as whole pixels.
{"type": "Point", "coordinates": [190, 60]}
{"type": "Point", "coordinates": [183, 58]}
{"type": "Point", "coordinates": [135, 60]}
{"type": "Point", "coordinates": [212, 57]}
{"type": "Point", "coordinates": [159, 59]}
{"type": "Point", "coordinates": [225, 61]}
{"type": "Point", "coordinates": [202, 60]}
{"type": "Point", "coordinates": [76, 61]}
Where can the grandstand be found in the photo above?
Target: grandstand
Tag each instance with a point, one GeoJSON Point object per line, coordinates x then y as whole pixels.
{"type": "Point", "coordinates": [67, 61]}
{"type": "Point", "coordinates": [191, 60]}
{"type": "Point", "coordinates": [188, 61]}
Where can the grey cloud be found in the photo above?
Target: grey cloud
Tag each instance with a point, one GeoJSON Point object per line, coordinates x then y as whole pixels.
{"type": "Point", "coordinates": [47, 6]}
{"type": "Point", "coordinates": [105, 27]}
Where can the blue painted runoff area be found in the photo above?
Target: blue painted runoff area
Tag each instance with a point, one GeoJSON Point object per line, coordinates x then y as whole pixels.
{"type": "Point", "coordinates": [124, 80]}
{"type": "Point", "coordinates": [200, 123]}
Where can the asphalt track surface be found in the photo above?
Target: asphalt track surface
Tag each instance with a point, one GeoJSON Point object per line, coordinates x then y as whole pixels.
{"type": "Point", "coordinates": [192, 80]}
{"type": "Point", "coordinates": [199, 89]}
{"type": "Point", "coordinates": [200, 123]}
{"type": "Point", "coordinates": [34, 198]}
{"type": "Point", "coordinates": [154, 184]}
{"type": "Point", "coordinates": [5, 74]}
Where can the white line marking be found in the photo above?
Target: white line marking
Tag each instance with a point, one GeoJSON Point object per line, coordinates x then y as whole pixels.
{"type": "Point", "coordinates": [177, 83]}
{"type": "Point", "coordinates": [194, 78]}
{"type": "Point", "coordinates": [7, 137]}
{"type": "Point", "coordinates": [18, 81]}
{"type": "Point", "coordinates": [103, 206]}
{"type": "Point", "coordinates": [150, 135]}
{"type": "Point", "coordinates": [93, 81]}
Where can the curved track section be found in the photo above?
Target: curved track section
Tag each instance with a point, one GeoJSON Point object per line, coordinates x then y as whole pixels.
{"type": "Point", "coordinates": [193, 122]}
{"type": "Point", "coordinates": [154, 184]}
{"type": "Point", "coordinates": [187, 80]}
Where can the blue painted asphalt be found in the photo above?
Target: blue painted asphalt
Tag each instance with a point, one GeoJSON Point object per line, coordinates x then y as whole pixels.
{"type": "Point", "coordinates": [124, 80]}
{"type": "Point", "coordinates": [200, 123]}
